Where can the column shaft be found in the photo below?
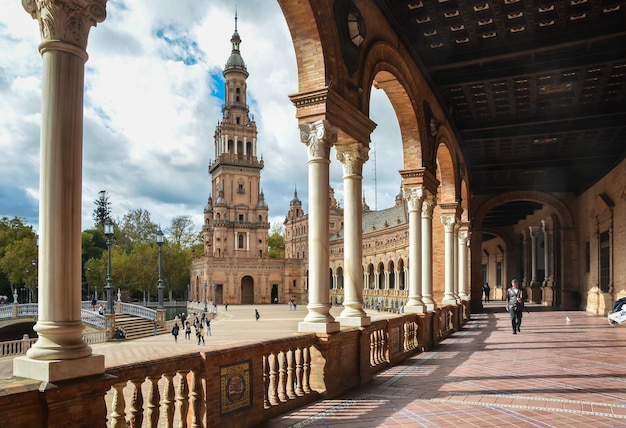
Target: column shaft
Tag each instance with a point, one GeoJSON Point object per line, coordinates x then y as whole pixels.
{"type": "Point", "coordinates": [428, 206]}
{"type": "Point", "coordinates": [463, 266]}
{"type": "Point", "coordinates": [449, 223]}
{"type": "Point", "coordinates": [414, 303]}
{"type": "Point", "coordinates": [318, 319]}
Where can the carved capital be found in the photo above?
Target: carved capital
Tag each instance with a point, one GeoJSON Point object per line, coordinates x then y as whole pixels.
{"type": "Point", "coordinates": [352, 157]}
{"type": "Point", "coordinates": [449, 223]}
{"type": "Point", "coordinates": [414, 198]}
{"type": "Point", "coordinates": [428, 206]}
{"type": "Point", "coordinates": [318, 137]}
{"type": "Point", "coordinates": [66, 20]}
{"type": "Point", "coordinates": [463, 237]}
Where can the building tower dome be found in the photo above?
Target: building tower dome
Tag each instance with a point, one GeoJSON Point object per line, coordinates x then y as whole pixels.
{"type": "Point", "coordinates": [235, 61]}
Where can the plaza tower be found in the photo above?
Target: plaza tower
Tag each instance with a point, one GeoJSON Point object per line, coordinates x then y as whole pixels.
{"type": "Point", "coordinates": [236, 221]}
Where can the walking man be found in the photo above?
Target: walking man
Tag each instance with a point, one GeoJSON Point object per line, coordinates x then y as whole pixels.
{"type": "Point", "coordinates": [515, 305]}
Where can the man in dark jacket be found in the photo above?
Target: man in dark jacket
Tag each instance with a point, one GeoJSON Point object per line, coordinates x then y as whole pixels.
{"type": "Point", "coordinates": [514, 304]}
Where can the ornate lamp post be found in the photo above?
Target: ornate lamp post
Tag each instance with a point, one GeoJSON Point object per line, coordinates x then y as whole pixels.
{"type": "Point", "coordinates": [159, 241]}
{"type": "Point", "coordinates": [26, 286]}
{"type": "Point", "coordinates": [32, 279]}
{"type": "Point", "coordinates": [205, 286]}
{"type": "Point", "coordinates": [108, 232]}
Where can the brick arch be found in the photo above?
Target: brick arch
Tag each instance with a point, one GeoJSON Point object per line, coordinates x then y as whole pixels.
{"type": "Point", "coordinates": [385, 69]}
{"type": "Point", "coordinates": [562, 211]}
{"type": "Point", "coordinates": [307, 44]}
{"type": "Point", "coordinates": [446, 174]}
{"type": "Point", "coordinates": [464, 199]}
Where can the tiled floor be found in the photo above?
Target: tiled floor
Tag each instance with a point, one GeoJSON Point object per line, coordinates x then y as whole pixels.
{"type": "Point", "coordinates": [556, 373]}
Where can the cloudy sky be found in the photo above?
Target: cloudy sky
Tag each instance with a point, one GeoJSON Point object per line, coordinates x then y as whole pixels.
{"type": "Point", "coordinates": [153, 96]}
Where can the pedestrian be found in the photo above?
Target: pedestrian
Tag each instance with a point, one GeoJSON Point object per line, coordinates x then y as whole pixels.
{"type": "Point", "coordinates": [290, 304]}
{"type": "Point", "coordinates": [175, 331]}
{"type": "Point", "coordinates": [515, 305]}
{"type": "Point", "coordinates": [187, 330]}
{"type": "Point", "coordinates": [226, 306]}
{"type": "Point", "coordinates": [94, 302]}
{"type": "Point", "coordinates": [486, 291]}
{"type": "Point", "coordinates": [208, 326]}
{"type": "Point", "coordinates": [200, 334]}
{"type": "Point", "coordinates": [256, 314]}
{"type": "Point", "coordinates": [294, 305]}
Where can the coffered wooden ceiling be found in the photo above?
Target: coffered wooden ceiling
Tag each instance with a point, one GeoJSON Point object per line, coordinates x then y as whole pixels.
{"type": "Point", "coordinates": [536, 89]}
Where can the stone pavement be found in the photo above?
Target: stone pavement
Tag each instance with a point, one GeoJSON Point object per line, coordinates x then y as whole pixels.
{"type": "Point", "coordinates": [556, 373]}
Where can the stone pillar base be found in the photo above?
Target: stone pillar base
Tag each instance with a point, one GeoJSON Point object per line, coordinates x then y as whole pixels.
{"type": "Point", "coordinates": [57, 370]}
{"type": "Point", "coordinates": [318, 327]}
{"type": "Point", "coordinates": [355, 321]}
{"type": "Point", "coordinates": [417, 309]}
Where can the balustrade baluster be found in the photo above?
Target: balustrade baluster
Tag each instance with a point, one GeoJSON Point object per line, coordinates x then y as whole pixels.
{"type": "Point", "coordinates": [136, 404]}
{"type": "Point", "coordinates": [306, 369]}
{"type": "Point", "coordinates": [289, 355]}
{"type": "Point", "coordinates": [118, 416]}
{"type": "Point", "coordinates": [153, 401]}
{"type": "Point", "coordinates": [298, 360]}
{"type": "Point", "coordinates": [282, 376]}
{"type": "Point", "coordinates": [273, 389]}
{"type": "Point", "coordinates": [182, 396]}
{"type": "Point", "coordinates": [167, 404]}
{"type": "Point", "coordinates": [195, 399]}
{"type": "Point", "coordinates": [266, 382]}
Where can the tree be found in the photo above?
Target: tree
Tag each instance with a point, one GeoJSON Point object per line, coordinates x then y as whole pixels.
{"type": "Point", "coordinates": [136, 226]}
{"type": "Point", "coordinates": [103, 208]}
{"type": "Point", "coordinates": [181, 231]}
{"type": "Point", "coordinates": [18, 247]}
{"type": "Point", "coordinates": [276, 241]}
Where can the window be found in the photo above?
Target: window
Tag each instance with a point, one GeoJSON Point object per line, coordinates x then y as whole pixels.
{"type": "Point", "coordinates": [241, 217]}
{"type": "Point", "coordinates": [240, 241]}
{"type": "Point", "coordinates": [240, 189]}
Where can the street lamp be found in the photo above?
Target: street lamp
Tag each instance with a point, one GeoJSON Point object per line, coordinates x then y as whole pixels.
{"type": "Point", "coordinates": [159, 241]}
{"type": "Point", "coordinates": [32, 279]}
{"type": "Point", "coordinates": [108, 232]}
{"type": "Point", "coordinates": [205, 286]}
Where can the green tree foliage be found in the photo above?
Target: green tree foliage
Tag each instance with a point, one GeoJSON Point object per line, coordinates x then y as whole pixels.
{"type": "Point", "coordinates": [181, 231]}
{"type": "Point", "coordinates": [276, 241]}
{"type": "Point", "coordinates": [136, 226]}
{"type": "Point", "coordinates": [103, 208]}
{"type": "Point", "coordinates": [18, 248]}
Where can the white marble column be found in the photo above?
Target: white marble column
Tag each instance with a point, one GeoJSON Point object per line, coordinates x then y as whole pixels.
{"type": "Point", "coordinates": [463, 267]}
{"type": "Point", "coordinates": [428, 205]}
{"type": "Point", "coordinates": [60, 352]}
{"type": "Point", "coordinates": [533, 254]}
{"type": "Point", "coordinates": [455, 261]}
{"type": "Point", "coordinates": [449, 224]}
{"type": "Point", "coordinates": [352, 157]}
{"type": "Point", "coordinates": [318, 137]}
{"type": "Point", "coordinates": [414, 199]}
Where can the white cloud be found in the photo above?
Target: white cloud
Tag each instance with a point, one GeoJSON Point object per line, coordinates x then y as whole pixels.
{"type": "Point", "coordinates": [150, 109]}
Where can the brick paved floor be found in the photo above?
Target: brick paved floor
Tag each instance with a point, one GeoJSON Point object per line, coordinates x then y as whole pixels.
{"type": "Point", "coordinates": [556, 373]}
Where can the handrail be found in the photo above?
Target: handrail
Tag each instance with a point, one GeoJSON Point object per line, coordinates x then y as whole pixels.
{"type": "Point", "coordinates": [139, 311]}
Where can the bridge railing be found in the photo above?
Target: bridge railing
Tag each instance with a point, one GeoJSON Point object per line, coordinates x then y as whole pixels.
{"type": "Point", "coordinates": [92, 318]}
{"type": "Point", "coordinates": [16, 347]}
{"type": "Point", "coordinates": [6, 311]}
{"type": "Point", "coordinates": [138, 311]}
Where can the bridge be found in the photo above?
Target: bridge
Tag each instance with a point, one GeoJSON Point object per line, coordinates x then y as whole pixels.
{"type": "Point", "coordinates": [137, 321]}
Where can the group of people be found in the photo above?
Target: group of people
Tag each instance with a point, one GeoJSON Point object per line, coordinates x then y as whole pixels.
{"type": "Point", "coordinates": [292, 305]}
{"type": "Point", "coordinates": [201, 324]}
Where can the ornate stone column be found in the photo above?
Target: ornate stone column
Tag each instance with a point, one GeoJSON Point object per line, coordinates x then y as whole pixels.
{"type": "Point", "coordinates": [60, 352]}
{"type": "Point", "coordinates": [414, 199]}
{"type": "Point", "coordinates": [428, 205]}
{"type": "Point", "coordinates": [352, 157]}
{"type": "Point", "coordinates": [455, 261]}
{"type": "Point", "coordinates": [318, 137]}
{"type": "Point", "coordinates": [463, 268]}
{"type": "Point", "coordinates": [449, 224]}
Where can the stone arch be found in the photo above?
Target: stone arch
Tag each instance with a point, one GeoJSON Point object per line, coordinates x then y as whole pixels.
{"type": "Point", "coordinates": [563, 213]}
{"type": "Point", "coordinates": [446, 175]}
{"type": "Point", "coordinates": [464, 200]}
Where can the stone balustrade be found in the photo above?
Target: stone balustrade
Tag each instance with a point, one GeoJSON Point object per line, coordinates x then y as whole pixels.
{"type": "Point", "coordinates": [239, 386]}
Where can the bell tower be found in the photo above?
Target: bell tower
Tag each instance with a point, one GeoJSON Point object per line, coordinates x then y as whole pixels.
{"type": "Point", "coordinates": [236, 221]}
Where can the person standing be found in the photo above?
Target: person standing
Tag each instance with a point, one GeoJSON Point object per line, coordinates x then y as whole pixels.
{"type": "Point", "coordinates": [487, 291]}
{"type": "Point", "coordinates": [175, 331]}
{"type": "Point", "coordinates": [208, 326]}
{"type": "Point", "coordinates": [256, 314]}
{"type": "Point", "coordinates": [187, 331]}
{"type": "Point", "coordinates": [515, 305]}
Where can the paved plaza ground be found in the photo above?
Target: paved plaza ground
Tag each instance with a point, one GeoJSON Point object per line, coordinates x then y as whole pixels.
{"type": "Point", "coordinates": [565, 369]}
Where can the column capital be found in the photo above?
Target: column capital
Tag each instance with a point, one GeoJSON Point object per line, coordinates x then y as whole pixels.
{"type": "Point", "coordinates": [66, 21]}
{"type": "Point", "coordinates": [449, 222]}
{"type": "Point", "coordinates": [532, 232]}
{"type": "Point", "coordinates": [318, 137]}
{"type": "Point", "coordinates": [352, 157]}
{"type": "Point", "coordinates": [464, 235]}
{"type": "Point", "coordinates": [414, 197]}
{"type": "Point", "coordinates": [428, 205]}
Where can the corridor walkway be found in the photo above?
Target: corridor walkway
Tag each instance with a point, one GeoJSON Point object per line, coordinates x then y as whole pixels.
{"type": "Point", "coordinates": [565, 369]}
{"type": "Point", "coordinates": [556, 373]}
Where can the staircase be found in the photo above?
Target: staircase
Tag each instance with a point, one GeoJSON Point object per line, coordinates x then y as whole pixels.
{"type": "Point", "coordinates": [136, 327]}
